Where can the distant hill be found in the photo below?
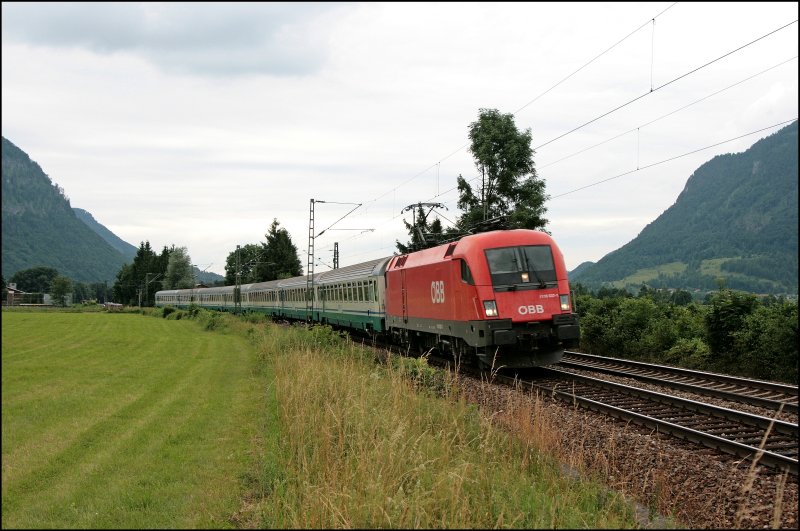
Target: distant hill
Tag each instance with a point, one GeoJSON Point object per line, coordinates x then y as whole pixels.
{"type": "Point", "coordinates": [128, 250]}
{"type": "Point", "coordinates": [40, 228]}
{"type": "Point", "coordinates": [736, 220]}
{"type": "Point", "coordinates": [207, 277]}
{"type": "Point", "coordinates": [583, 266]}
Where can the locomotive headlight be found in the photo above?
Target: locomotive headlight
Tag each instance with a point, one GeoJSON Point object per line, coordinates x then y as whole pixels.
{"type": "Point", "coordinates": [525, 277]}
{"type": "Point", "coordinates": [565, 303]}
{"type": "Point", "coordinates": [490, 307]}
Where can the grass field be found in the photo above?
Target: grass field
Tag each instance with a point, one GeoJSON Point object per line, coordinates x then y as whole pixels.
{"type": "Point", "coordinates": [119, 420]}
{"type": "Point", "coordinates": [649, 274]}
{"type": "Point", "coordinates": [136, 421]}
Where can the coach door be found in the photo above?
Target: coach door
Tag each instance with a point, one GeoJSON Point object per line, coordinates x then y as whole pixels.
{"type": "Point", "coordinates": [404, 295]}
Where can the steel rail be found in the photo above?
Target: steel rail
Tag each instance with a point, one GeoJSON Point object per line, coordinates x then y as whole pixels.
{"type": "Point", "coordinates": [741, 390]}
{"type": "Point", "coordinates": [779, 438]}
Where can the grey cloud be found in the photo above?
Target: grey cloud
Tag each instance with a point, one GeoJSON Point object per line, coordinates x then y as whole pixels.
{"type": "Point", "coordinates": [203, 39]}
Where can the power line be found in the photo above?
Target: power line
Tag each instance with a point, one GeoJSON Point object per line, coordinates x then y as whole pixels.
{"type": "Point", "coordinates": [649, 21]}
{"type": "Point", "coordinates": [668, 114]}
{"type": "Point", "coordinates": [341, 218]}
{"type": "Point", "coordinates": [664, 85]}
{"type": "Point", "coordinates": [631, 171]}
{"type": "Point", "coordinates": [671, 159]}
{"type": "Point", "coordinates": [652, 20]}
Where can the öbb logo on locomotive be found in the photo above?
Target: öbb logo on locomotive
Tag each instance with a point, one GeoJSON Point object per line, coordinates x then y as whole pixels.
{"type": "Point", "coordinates": [437, 291]}
{"type": "Point", "coordinates": [508, 301]}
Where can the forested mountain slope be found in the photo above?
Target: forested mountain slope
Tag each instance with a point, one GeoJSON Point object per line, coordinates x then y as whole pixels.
{"type": "Point", "coordinates": [128, 250]}
{"type": "Point", "coordinates": [40, 227]}
{"type": "Point", "coordinates": [736, 220]}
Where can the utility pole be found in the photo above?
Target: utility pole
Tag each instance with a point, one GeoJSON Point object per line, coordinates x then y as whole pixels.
{"type": "Point", "coordinates": [413, 208]}
{"type": "Point", "coordinates": [336, 255]}
{"type": "Point", "coordinates": [237, 290]}
{"type": "Point", "coordinates": [310, 250]}
{"type": "Point", "coordinates": [310, 265]}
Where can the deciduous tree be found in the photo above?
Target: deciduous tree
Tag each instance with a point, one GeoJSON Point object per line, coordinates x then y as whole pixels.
{"type": "Point", "coordinates": [179, 269]}
{"type": "Point", "coordinates": [509, 188]}
{"type": "Point", "coordinates": [60, 288]}
{"type": "Point", "coordinates": [34, 279]}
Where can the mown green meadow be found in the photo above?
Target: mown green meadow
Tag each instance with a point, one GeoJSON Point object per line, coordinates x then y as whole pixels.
{"type": "Point", "coordinates": [119, 420]}
{"type": "Point", "coordinates": [212, 421]}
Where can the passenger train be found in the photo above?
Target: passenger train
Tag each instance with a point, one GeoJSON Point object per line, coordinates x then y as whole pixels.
{"type": "Point", "coordinates": [498, 299]}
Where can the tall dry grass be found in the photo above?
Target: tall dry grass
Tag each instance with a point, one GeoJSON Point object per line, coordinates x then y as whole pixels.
{"type": "Point", "coordinates": [357, 444]}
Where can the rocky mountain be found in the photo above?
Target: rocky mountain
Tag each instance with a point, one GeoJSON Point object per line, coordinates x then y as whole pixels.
{"type": "Point", "coordinates": [735, 223]}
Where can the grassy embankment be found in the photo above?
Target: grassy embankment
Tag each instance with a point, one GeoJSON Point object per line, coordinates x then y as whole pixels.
{"type": "Point", "coordinates": [120, 420]}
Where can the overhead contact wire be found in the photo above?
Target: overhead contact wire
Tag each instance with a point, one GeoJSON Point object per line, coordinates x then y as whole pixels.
{"type": "Point", "coordinates": [672, 158]}
{"type": "Point", "coordinates": [664, 85]}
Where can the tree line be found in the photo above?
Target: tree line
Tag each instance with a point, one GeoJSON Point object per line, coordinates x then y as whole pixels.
{"type": "Point", "coordinates": [137, 282]}
{"type": "Point", "coordinates": [729, 332]}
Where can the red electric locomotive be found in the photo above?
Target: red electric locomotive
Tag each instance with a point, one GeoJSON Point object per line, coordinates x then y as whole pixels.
{"type": "Point", "coordinates": [502, 297]}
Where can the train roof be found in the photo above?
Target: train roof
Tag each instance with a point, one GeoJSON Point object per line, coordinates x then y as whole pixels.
{"type": "Point", "coordinates": [470, 246]}
{"type": "Point", "coordinates": [342, 274]}
{"type": "Point", "coordinates": [466, 247]}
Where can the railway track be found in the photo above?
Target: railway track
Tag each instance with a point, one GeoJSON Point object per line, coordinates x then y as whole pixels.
{"type": "Point", "coordinates": [772, 442]}
{"type": "Point", "coordinates": [769, 395]}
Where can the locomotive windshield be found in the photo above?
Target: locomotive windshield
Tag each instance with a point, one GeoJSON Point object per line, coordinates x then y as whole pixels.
{"type": "Point", "coordinates": [530, 265]}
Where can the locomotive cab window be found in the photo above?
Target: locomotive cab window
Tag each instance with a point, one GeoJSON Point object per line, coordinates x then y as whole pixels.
{"type": "Point", "coordinates": [466, 274]}
{"type": "Point", "coordinates": [528, 266]}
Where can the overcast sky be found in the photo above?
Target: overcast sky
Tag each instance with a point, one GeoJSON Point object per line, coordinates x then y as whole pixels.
{"type": "Point", "coordinates": [197, 124]}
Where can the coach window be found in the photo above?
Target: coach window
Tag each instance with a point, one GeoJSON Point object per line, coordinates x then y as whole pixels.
{"type": "Point", "coordinates": [361, 292]}
{"type": "Point", "coordinates": [466, 274]}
